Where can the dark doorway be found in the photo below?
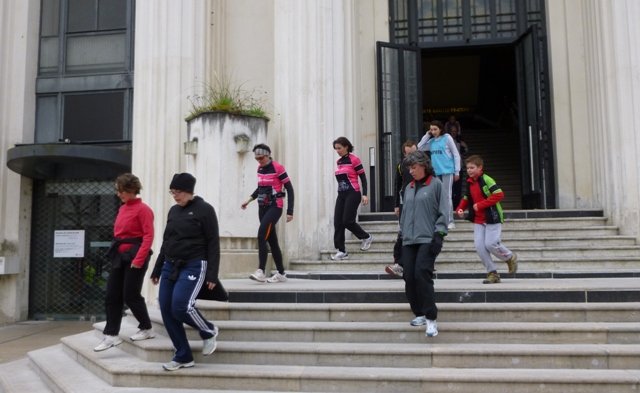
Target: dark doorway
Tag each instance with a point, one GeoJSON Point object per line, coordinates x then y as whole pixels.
{"type": "Point", "coordinates": [478, 86]}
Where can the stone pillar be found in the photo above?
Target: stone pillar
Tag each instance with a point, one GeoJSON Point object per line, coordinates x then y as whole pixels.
{"type": "Point", "coordinates": [170, 58]}
{"type": "Point", "coordinates": [19, 27]}
{"type": "Point", "coordinates": [314, 102]}
{"type": "Point", "coordinates": [613, 97]}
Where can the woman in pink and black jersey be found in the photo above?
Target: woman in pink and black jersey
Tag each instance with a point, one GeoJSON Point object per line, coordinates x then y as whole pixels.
{"type": "Point", "coordinates": [349, 169]}
{"type": "Point", "coordinates": [272, 181]}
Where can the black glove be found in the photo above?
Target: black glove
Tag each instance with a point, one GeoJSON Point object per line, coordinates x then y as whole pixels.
{"type": "Point", "coordinates": [436, 243]}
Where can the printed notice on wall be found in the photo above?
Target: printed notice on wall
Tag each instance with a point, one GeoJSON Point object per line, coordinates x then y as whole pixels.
{"type": "Point", "coordinates": [68, 244]}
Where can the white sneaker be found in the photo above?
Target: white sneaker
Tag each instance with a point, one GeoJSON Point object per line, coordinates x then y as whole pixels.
{"type": "Point", "coordinates": [432, 328]}
{"type": "Point", "coordinates": [108, 342]}
{"type": "Point", "coordinates": [366, 243]}
{"type": "Point", "coordinates": [258, 276]}
{"type": "Point", "coordinates": [173, 365]}
{"type": "Point", "coordinates": [340, 256]}
{"type": "Point", "coordinates": [209, 345]}
{"type": "Point", "coordinates": [418, 321]}
{"type": "Point", "coordinates": [143, 335]}
{"type": "Point", "coordinates": [277, 277]}
{"type": "Point", "coordinates": [452, 225]}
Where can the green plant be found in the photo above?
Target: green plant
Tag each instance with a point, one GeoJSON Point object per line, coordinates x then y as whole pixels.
{"type": "Point", "coordinates": [224, 96]}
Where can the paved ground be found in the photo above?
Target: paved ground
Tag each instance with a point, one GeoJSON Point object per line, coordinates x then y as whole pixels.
{"type": "Point", "coordinates": [18, 339]}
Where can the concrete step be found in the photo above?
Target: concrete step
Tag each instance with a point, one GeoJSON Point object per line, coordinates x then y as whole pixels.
{"type": "Point", "coordinates": [400, 312]}
{"type": "Point", "coordinates": [455, 241]}
{"type": "Point", "coordinates": [508, 214]}
{"type": "Point", "coordinates": [454, 290]}
{"type": "Point", "coordinates": [466, 251]}
{"type": "Point", "coordinates": [535, 223]}
{"type": "Point", "coordinates": [402, 332]}
{"type": "Point", "coordinates": [19, 377]}
{"type": "Point", "coordinates": [361, 262]}
{"type": "Point", "coordinates": [66, 374]}
{"type": "Point", "coordinates": [120, 368]}
{"type": "Point", "coordinates": [393, 354]}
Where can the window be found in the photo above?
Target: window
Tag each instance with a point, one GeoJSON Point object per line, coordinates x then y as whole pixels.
{"type": "Point", "coordinates": [433, 23]}
{"type": "Point", "coordinates": [94, 117]}
{"type": "Point", "coordinates": [85, 80]}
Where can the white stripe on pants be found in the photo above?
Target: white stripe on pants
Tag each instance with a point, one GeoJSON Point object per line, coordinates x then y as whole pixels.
{"type": "Point", "coordinates": [486, 238]}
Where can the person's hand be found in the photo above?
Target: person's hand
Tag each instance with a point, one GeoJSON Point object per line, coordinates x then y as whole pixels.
{"type": "Point", "coordinates": [244, 205]}
{"type": "Point", "coordinates": [456, 177]}
{"type": "Point", "coordinates": [436, 243]}
{"type": "Point", "coordinates": [289, 217]}
{"type": "Point", "coordinates": [211, 285]}
{"type": "Point", "coordinates": [135, 267]}
{"type": "Point", "coordinates": [460, 213]}
{"type": "Point", "coordinates": [396, 211]}
{"type": "Point", "coordinates": [155, 280]}
{"type": "Point", "coordinates": [475, 207]}
{"type": "Point", "coordinates": [365, 200]}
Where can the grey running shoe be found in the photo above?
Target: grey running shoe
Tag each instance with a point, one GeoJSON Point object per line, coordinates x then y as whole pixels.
{"type": "Point", "coordinates": [432, 328]}
{"type": "Point", "coordinates": [277, 277]}
{"type": "Point", "coordinates": [366, 243]}
{"type": "Point", "coordinates": [173, 365]}
{"type": "Point", "coordinates": [418, 321]}
{"type": "Point", "coordinates": [209, 345]}
{"type": "Point", "coordinates": [340, 256]}
{"type": "Point", "coordinates": [258, 276]}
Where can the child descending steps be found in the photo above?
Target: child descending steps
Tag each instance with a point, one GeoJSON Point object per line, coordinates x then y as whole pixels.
{"type": "Point", "coordinates": [485, 212]}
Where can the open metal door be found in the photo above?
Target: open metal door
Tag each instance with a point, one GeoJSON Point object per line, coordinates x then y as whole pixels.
{"type": "Point", "coordinates": [535, 148]}
{"type": "Point", "coordinates": [399, 110]}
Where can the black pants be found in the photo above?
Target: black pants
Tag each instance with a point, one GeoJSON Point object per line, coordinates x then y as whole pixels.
{"type": "Point", "coordinates": [269, 216]}
{"type": "Point", "coordinates": [397, 248]}
{"type": "Point", "coordinates": [344, 217]}
{"type": "Point", "coordinates": [123, 287]}
{"type": "Point", "coordinates": [418, 264]}
{"type": "Point", "coordinates": [456, 191]}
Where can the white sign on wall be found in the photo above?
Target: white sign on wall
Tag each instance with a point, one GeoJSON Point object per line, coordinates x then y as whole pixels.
{"type": "Point", "coordinates": [68, 244]}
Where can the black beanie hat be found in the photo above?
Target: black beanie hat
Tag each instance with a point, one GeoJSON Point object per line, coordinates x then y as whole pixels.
{"type": "Point", "coordinates": [183, 182]}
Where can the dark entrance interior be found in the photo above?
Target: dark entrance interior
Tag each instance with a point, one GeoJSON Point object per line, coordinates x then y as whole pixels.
{"type": "Point", "coordinates": [478, 86]}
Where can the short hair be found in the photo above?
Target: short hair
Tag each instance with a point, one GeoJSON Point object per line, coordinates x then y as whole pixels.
{"type": "Point", "coordinates": [344, 142]}
{"type": "Point", "coordinates": [418, 157]}
{"type": "Point", "coordinates": [128, 182]}
{"type": "Point", "coordinates": [475, 160]}
{"type": "Point", "coordinates": [408, 143]}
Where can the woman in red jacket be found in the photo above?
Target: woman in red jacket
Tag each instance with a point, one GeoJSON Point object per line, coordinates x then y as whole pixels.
{"type": "Point", "coordinates": [130, 252]}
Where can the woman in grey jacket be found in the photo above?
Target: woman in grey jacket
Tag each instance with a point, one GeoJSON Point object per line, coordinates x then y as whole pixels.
{"type": "Point", "coordinates": [424, 225]}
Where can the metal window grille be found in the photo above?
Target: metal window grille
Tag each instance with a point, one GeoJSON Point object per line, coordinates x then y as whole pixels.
{"type": "Point", "coordinates": [62, 287]}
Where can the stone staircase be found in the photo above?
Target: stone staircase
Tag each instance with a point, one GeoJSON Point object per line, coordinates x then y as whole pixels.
{"type": "Point", "coordinates": [568, 323]}
{"type": "Point", "coordinates": [551, 243]}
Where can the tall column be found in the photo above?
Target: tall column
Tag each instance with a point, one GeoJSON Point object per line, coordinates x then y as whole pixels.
{"type": "Point", "coordinates": [19, 26]}
{"type": "Point", "coordinates": [170, 58]}
{"type": "Point", "coordinates": [613, 84]}
{"type": "Point", "coordinates": [314, 104]}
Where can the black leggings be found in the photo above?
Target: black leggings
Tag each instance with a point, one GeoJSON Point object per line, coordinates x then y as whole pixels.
{"type": "Point", "coordinates": [269, 216]}
{"type": "Point", "coordinates": [123, 287]}
{"type": "Point", "coordinates": [345, 218]}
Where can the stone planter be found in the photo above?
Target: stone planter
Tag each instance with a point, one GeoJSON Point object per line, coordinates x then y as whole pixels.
{"type": "Point", "coordinates": [218, 150]}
